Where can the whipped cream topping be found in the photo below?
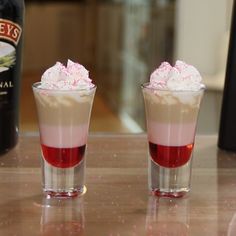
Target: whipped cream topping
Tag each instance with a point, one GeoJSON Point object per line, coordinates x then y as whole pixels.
{"type": "Point", "coordinates": [178, 78]}
{"type": "Point", "coordinates": [70, 77]}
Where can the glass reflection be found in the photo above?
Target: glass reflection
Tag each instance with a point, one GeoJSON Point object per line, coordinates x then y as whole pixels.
{"type": "Point", "coordinates": [167, 217]}
{"type": "Point", "coordinates": [62, 217]}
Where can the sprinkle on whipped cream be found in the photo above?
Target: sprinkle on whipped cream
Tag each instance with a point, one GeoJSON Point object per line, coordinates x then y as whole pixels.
{"type": "Point", "coordinates": [70, 77]}
{"type": "Point", "coordinates": [177, 78]}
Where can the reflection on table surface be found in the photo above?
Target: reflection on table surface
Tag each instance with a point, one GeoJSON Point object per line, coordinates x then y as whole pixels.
{"type": "Point", "coordinates": [167, 216]}
{"type": "Point", "coordinates": [62, 217]}
{"type": "Point", "coordinates": [117, 200]}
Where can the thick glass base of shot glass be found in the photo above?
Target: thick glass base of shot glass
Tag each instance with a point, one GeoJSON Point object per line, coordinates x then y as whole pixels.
{"type": "Point", "coordinates": [63, 182]}
{"type": "Point", "coordinates": [169, 182]}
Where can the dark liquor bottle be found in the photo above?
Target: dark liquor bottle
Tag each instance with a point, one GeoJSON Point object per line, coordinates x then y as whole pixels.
{"type": "Point", "coordinates": [227, 131]}
{"type": "Point", "coordinates": [11, 24]}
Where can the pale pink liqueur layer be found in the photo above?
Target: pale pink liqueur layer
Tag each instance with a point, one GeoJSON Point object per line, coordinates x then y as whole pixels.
{"type": "Point", "coordinates": [64, 137]}
{"type": "Point", "coordinates": [171, 122]}
{"type": "Point", "coordinates": [171, 134]}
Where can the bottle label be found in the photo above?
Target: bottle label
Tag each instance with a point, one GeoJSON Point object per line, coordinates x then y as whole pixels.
{"type": "Point", "coordinates": [10, 34]}
{"type": "Point", "coordinates": [10, 31]}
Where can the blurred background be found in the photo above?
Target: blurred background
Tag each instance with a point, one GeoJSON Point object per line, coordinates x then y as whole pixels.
{"type": "Point", "coordinates": [121, 42]}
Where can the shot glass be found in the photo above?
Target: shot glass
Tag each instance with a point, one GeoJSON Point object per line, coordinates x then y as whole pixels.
{"type": "Point", "coordinates": [171, 118]}
{"type": "Point", "coordinates": [64, 117]}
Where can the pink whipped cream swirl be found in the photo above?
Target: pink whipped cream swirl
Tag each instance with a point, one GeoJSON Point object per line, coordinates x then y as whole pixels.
{"type": "Point", "coordinates": [70, 77]}
{"type": "Point", "coordinates": [178, 78]}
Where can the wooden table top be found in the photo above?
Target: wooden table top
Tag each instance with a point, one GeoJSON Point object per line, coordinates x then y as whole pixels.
{"type": "Point", "coordinates": [117, 202]}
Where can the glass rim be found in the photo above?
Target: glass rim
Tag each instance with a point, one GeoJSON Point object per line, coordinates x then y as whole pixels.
{"type": "Point", "coordinates": [36, 84]}
{"type": "Point", "coordinates": [145, 86]}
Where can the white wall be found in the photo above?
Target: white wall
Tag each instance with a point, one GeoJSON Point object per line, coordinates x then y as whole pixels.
{"type": "Point", "coordinates": [202, 27]}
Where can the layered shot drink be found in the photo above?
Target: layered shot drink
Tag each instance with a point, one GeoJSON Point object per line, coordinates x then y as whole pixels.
{"type": "Point", "coordinates": [172, 100]}
{"type": "Point", "coordinates": [64, 99]}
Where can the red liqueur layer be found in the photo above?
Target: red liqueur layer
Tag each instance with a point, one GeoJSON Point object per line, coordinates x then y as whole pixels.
{"type": "Point", "coordinates": [170, 156]}
{"type": "Point", "coordinates": [63, 157]}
